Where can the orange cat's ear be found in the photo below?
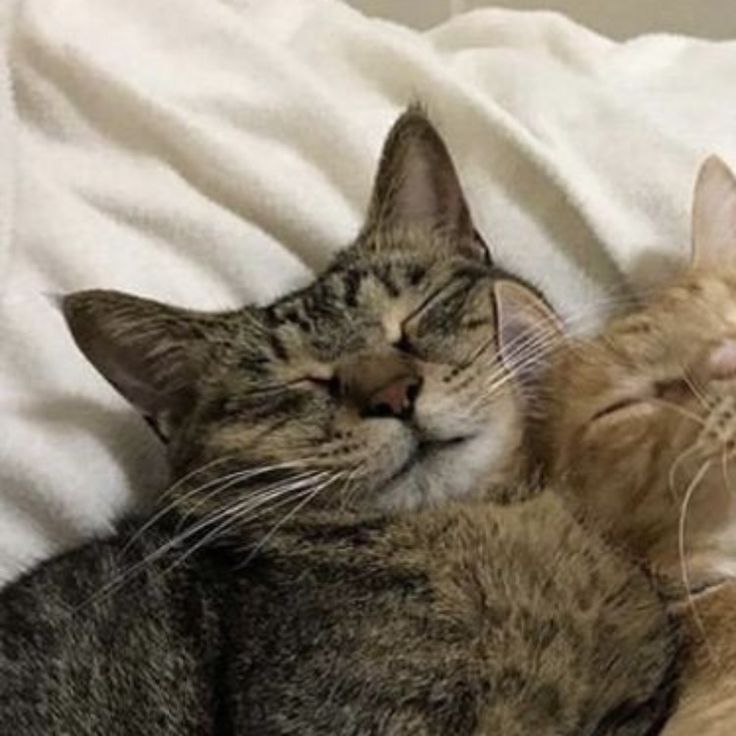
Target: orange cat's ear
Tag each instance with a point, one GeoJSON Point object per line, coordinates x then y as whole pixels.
{"type": "Point", "coordinates": [714, 216]}
{"type": "Point", "coordinates": [528, 331]}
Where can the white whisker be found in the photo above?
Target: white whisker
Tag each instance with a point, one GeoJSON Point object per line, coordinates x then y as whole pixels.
{"type": "Point", "coordinates": [234, 516]}
{"type": "Point", "coordinates": [683, 558]}
{"type": "Point", "coordinates": [178, 500]}
{"type": "Point", "coordinates": [121, 579]}
{"type": "Point", "coordinates": [686, 453]}
{"type": "Point", "coordinates": [680, 410]}
{"type": "Point", "coordinates": [234, 479]}
{"type": "Point", "coordinates": [286, 518]}
{"type": "Point", "coordinates": [696, 392]}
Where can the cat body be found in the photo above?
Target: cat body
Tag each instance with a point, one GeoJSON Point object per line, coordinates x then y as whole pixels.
{"type": "Point", "coordinates": [637, 429]}
{"type": "Point", "coordinates": [332, 558]}
{"type": "Point", "coordinates": [433, 622]}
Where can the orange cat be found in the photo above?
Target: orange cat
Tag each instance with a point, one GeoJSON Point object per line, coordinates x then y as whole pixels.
{"type": "Point", "coordinates": [638, 428]}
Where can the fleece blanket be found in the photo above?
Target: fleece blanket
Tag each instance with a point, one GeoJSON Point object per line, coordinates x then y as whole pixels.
{"type": "Point", "coordinates": [216, 152]}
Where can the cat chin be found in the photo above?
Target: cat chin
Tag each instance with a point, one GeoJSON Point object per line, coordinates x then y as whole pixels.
{"type": "Point", "coordinates": [442, 471]}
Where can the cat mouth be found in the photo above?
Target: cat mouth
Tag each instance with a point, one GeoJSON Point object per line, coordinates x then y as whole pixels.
{"type": "Point", "coordinates": [424, 450]}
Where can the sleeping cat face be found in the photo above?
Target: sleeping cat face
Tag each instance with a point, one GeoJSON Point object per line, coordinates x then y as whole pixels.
{"type": "Point", "coordinates": [380, 380]}
{"type": "Point", "coordinates": [640, 423]}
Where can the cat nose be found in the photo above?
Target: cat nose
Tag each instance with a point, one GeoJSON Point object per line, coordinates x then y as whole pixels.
{"type": "Point", "coordinates": [722, 361]}
{"type": "Point", "coordinates": [396, 399]}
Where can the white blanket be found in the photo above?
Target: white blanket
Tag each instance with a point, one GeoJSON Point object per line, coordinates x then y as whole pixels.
{"type": "Point", "coordinates": [211, 153]}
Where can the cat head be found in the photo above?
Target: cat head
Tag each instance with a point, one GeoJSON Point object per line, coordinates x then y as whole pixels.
{"type": "Point", "coordinates": [639, 423]}
{"type": "Point", "coordinates": [380, 380]}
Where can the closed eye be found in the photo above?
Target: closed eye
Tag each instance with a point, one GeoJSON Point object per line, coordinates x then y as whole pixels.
{"type": "Point", "coordinates": [404, 345]}
{"type": "Point", "coordinates": [427, 301]}
{"type": "Point", "coordinates": [618, 406]}
{"type": "Point", "coordinates": [672, 390]}
{"type": "Point", "coordinates": [331, 385]}
{"type": "Point", "coordinates": [675, 389]}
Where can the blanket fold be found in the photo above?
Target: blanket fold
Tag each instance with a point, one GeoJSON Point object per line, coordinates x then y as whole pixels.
{"type": "Point", "coordinates": [212, 153]}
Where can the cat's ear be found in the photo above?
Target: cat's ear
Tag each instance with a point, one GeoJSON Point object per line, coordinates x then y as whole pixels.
{"type": "Point", "coordinates": [528, 331]}
{"type": "Point", "coordinates": [714, 216]}
{"type": "Point", "coordinates": [417, 185]}
{"type": "Point", "coordinates": [150, 352]}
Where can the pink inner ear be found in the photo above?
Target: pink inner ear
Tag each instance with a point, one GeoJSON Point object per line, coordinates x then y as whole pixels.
{"type": "Point", "coordinates": [722, 361]}
{"type": "Point", "coordinates": [714, 215]}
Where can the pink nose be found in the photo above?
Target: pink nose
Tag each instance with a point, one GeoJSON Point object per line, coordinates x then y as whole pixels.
{"type": "Point", "coordinates": [395, 399]}
{"type": "Point", "coordinates": [722, 360]}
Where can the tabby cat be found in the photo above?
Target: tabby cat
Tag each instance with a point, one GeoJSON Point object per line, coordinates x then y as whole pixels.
{"type": "Point", "coordinates": [638, 428]}
{"type": "Point", "coordinates": [331, 560]}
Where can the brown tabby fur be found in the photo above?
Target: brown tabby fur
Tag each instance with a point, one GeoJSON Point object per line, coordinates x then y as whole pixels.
{"type": "Point", "coordinates": [311, 572]}
{"type": "Point", "coordinates": [638, 428]}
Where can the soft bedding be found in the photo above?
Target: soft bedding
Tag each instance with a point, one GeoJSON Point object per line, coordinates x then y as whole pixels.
{"type": "Point", "coordinates": [214, 152]}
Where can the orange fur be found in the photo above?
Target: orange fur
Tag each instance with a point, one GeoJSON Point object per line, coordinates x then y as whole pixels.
{"type": "Point", "coordinates": [708, 703]}
{"type": "Point", "coordinates": [639, 432]}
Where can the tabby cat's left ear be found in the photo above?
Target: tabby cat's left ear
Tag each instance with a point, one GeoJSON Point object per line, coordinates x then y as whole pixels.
{"type": "Point", "coordinates": [528, 332]}
{"type": "Point", "coordinates": [714, 216]}
{"type": "Point", "coordinates": [417, 185]}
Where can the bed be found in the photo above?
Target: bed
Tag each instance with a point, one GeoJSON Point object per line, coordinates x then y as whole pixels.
{"type": "Point", "coordinates": [222, 157]}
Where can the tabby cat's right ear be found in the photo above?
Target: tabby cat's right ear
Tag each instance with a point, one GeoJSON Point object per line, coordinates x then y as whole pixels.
{"type": "Point", "coordinates": [150, 352]}
{"type": "Point", "coordinates": [714, 216]}
{"type": "Point", "coordinates": [417, 185]}
{"type": "Point", "coordinates": [528, 332]}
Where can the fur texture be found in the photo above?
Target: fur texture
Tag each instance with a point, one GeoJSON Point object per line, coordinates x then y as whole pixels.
{"type": "Point", "coordinates": [638, 428]}
{"type": "Point", "coordinates": [652, 399]}
{"type": "Point", "coordinates": [310, 573]}
{"type": "Point", "coordinates": [462, 620]}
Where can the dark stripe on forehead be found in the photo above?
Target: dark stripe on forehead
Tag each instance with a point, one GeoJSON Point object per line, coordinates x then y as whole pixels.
{"type": "Point", "coordinates": [415, 274]}
{"type": "Point", "coordinates": [254, 363]}
{"type": "Point", "coordinates": [295, 316]}
{"type": "Point", "coordinates": [277, 346]}
{"type": "Point", "coordinates": [324, 301]}
{"type": "Point", "coordinates": [270, 315]}
{"type": "Point", "coordinates": [384, 273]}
{"type": "Point", "coordinates": [351, 279]}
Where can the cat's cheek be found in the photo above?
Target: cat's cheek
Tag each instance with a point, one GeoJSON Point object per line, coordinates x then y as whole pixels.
{"type": "Point", "coordinates": [387, 445]}
{"type": "Point", "coordinates": [619, 442]}
{"type": "Point", "coordinates": [447, 409]}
